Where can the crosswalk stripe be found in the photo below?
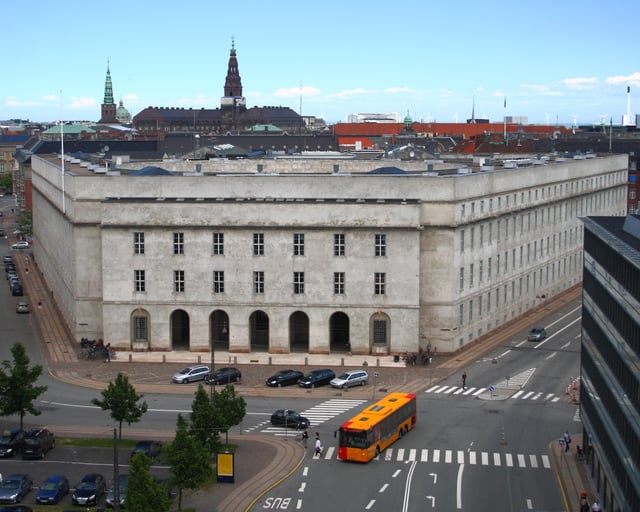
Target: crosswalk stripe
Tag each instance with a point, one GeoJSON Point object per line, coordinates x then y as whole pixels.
{"type": "Point", "coordinates": [517, 394]}
{"type": "Point", "coordinates": [412, 454]}
{"type": "Point", "coordinates": [460, 457]}
{"type": "Point", "coordinates": [472, 457]}
{"type": "Point", "coordinates": [533, 461]}
{"type": "Point", "coordinates": [546, 463]}
{"type": "Point", "coordinates": [549, 396]}
{"type": "Point", "coordinates": [496, 459]}
{"type": "Point", "coordinates": [330, 451]}
{"type": "Point", "coordinates": [424, 455]}
{"type": "Point", "coordinates": [536, 396]}
{"type": "Point", "coordinates": [469, 391]}
{"type": "Point", "coordinates": [521, 463]}
{"type": "Point", "coordinates": [448, 456]}
{"type": "Point", "coordinates": [459, 391]}
{"type": "Point", "coordinates": [527, 395]}
{"type": "Point", "coordinates": [388, 453]}
{"type": "Point", "coordinates": [509, 460]}
{"type": "Point", "coordinates": [436, 456]}
{"type": "Point", "coordinates": [485, 458]}
{"type": "Point", "coordinates": [400, 456]}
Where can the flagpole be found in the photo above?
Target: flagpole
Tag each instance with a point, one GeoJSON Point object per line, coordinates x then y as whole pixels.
{"type": "Point", "coordinates": [62, 153]}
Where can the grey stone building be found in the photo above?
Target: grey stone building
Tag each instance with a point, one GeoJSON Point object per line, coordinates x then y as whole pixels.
{"type": "Point", "coordinates": [254, 256]}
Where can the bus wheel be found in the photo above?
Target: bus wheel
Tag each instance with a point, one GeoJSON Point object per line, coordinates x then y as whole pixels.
{"type": "Point", "coordinates": [401, 433]}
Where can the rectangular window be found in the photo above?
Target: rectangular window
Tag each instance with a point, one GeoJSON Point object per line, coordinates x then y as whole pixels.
{"type": "Point", "coordinates": [461, 279]}
{"type": "Point", "coordinates": [258, 282]}
{"type": "Point", "coordinates": [473, 236]}
{"type": "Point", "coordinates": [381, 245]}
{"type": "Point", "coordinates": [298, 283]}
{"type": "Point", "coordinates": [338, 244]}
{"type": "Point", "coordinates": [258, 244]}
{"type": "Point", "coordinates": [218, 244]}
{"type": "Point", "coordinates": [338, 283]}
{"type": "Point", "coordinates": [218, 281]}
{"type": "Point", "coordinates": [379, 331]}
{"type": "Point", "coordinates": [379, 283]}
{"type": "Point", "coordinates": [178, 243]}
{"type": "Point", "coordinates": [489, 261]}
{"type": "Point", "coordinates": [298, 244]}
{"type": "Point", "coordinates": [139, 283]}
{"type": "Point", "coordinates": [140, 330]}
{"type": "Point", "coordinates": [462, 240]}
{"type": "Point", "coordinates": [481, 236]}
{"type": "Point", "coordinates": [138, 242]}
{"type": "Point", "coordinates": [461, 319]}
{"type": "Point", "coordinates": [480, 271]}
{"type": "Point", "coordinates": [471, 275]}
{"type": "Point", "coordinates": [178, 281]}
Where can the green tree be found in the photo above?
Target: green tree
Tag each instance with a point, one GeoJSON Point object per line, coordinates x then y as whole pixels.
{"type": "Point", "coordinates": [121, 399]}
{"type": "Point", "coordinates": [6, 180]}
{"type": "Point", "coordinates": [229, 410]}
{"type": "Point", "coordinates": [144, 492]}
{"type": "Point", "coordinates": [25, 222]}
{"type": "Point", "coordinates": [203, 421]}
{"type": "Point", "coordinates": [189, 464]}
{"type": "Point", "coordinates": [17, 385]}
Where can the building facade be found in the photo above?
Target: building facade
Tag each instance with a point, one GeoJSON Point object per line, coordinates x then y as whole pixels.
{"type": "Point", "coordinates": [610, 365]}
{"type": "Point", "coordinates": [317, 262]}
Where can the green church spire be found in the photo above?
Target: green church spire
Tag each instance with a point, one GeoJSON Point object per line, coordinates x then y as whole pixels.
{"type": "Point", "coordinates": [108, 89]}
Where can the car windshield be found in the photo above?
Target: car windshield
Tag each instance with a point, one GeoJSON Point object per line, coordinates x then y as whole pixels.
{"type": "Point", "coordinates": [50, 486]}
{"type": "Point", "coordinates": [10, 484]}
{"type": "Point", "coordinates": [85, 486]}
{"type": "Point", "coordinates": [343, 376]}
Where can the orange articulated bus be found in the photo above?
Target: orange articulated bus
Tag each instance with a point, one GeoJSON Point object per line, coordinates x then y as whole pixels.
{"type": "Point", "coordinates": [379, 425]}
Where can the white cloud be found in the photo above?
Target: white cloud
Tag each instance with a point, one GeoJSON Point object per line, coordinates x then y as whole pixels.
{"type": "Point", "coordinates": [12, 102]}
{"type": "Point", "coordinates": [295, 92]}
{"type": "Point", "coordinates": [632, 79]}
{"type": "Point", "coordinates": [348, 93]}
{"type": "Point", "coordinates": [580, 83]}
{"type": "Point", "coordinates": [82, 103]}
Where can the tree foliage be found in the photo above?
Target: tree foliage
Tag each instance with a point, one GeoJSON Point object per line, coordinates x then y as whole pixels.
{"type": "Point", "coordinates": [144, 492]}
{"type": "Point", "coordinates": [17, 385]}
{"type": "Point", "coordinates": [229, 410]}
{"type": "Point", "coordinates": [121, 399]}
{"type": "Point", "coordinates": [203, 421]}
{"type": "Point", "coordinates": [189, 463]}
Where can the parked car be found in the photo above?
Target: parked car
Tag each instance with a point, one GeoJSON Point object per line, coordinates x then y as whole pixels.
{"type": "Point", "coordinates": [289, 419]}
{"type": "Point", "coordinates": [191, 374]}
{"type": "Point", "coordinates": [16, 290]}
{"type": "Point", "coordinates": [9, 266]}
{"type": "Point", "coordinates": [7, 258]}
{"type": "Point", "coordinates": [150, 448]}
{"type": "Point", "coordinates": [10, 442]}
{"type": "Point", "coordinates": [20, 245]}
{"type": "Point", "coordinates": [16, 508]}
{"type": "Point", "coordinates": [15, 487]}
{"type": "Point", "coordinates": [284, 378]}
{"type": "Point", "coordinates": [537, 334]}
{"type": "Point", "coordinates": [223, 376]}
{"type": "Point", "coordinates": [350, 379]}
{"type": "Point", "coordinates": [53, 490]}
{"type": "Point", "coordinates": [9, 274]}
{"type": "Point", "coordinates": [122, 490]}
{"type": "Point", "coordinates": [317, 378]}
{"type": "Point", "coordinates": [22, 307]}
{"type": "Point", "coordinates": [37, 442]}
{"type": "Point", "coordinates": [89, 489]}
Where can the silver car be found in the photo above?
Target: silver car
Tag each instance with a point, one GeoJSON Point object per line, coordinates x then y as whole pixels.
{"type": "Point", "coordinates": [350, 379]}
{"type": "Point", "coordinates": [191, 374]}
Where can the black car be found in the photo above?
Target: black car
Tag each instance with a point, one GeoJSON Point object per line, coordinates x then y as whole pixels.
{"type": "Point", "coordinates": [16, 508]}
{"type": "Point", "coordinates": [89, 489]}
{"type": "Point", "coordinates": [289, 419]}
{"type": "Point", "coordinates": [223, 376]}
{"type": "Point", "coordinates": [37, 442]}
{"type": "Point", "coordinates": [150, 448]}
{"type": "Point", "coordinates": [317, 378]}
{"type": "Point", "coordinates": [285, 378]}
{"type": "Point", "coordinates": [11, 442]}
{"type": "Point", "coordinates": [16, 290]}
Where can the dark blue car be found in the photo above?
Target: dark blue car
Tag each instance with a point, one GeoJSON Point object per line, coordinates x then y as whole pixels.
{"type": "Point", "coordinates": [53, 490]}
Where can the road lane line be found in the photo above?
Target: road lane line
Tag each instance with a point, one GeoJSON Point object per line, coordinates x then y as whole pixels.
{"type": "Point", "coordinates": [459, 487]}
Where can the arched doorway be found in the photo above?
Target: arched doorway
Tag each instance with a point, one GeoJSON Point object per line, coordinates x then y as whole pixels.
{"type": "Point", "coordinates": [299, 332]}
{"type": "Point", "coordinates": [259, 331]}
{"type": "Point", "coordinates": [219, 330]}
{"type": "Point", "coordinates": [339, 340]}
{"type": "Point", "coordinates": [179, 325]}
{"type": "Point", "coordinates": [379, 332]}
{"type": "Point", "coordinates": [140, 328]}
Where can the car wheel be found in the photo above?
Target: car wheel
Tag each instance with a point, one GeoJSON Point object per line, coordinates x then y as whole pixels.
{"type": "Point", "coordinates": [185, 381]}
{"type": "Point", "coordinates": [363, 382]}
{"type": "Point", "coordinates": [279, 384]}
{"type": "Point", "coordinates": [344, 386]}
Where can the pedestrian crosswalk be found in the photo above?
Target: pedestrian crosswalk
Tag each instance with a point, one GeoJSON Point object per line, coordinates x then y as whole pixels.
{"type": "Point", "coordinates": [317, 415]}
{"type": "Point", "coordinates": [449, 456]}
{"type": "Point", "coordinates": [520, 394]}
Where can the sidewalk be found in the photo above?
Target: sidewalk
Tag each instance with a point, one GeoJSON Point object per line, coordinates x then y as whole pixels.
{"type": "Point", "coordinates": [271, 460]}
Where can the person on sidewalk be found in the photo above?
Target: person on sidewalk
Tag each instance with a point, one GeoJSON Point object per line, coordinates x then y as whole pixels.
{"type": "Point", "coordinates": [567, 441]}
{"type": "Point", "coordinates": [464, 380]}
{"type": "Point", "coordinates": [596, 506]}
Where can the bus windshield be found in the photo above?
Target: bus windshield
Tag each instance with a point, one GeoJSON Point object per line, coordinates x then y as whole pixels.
{"type": "Point", "coordinates": [354, 438]}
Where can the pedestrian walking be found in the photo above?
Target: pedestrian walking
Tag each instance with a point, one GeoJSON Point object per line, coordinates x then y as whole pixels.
{"type": "Point", "coordinates": [305, 438]}
{"type": "Point", "coordinates": [107, 353]}
{"type": "Point", "coordinates": [464, 380]}
{"type": "Point", "coordinates": [318, 445]}
{"type": "Point", "coordinates": [567, 441]}
{"type": "Point", "coordinates": [596, 506]}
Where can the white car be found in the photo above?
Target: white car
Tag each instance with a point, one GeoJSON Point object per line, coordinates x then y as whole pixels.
{"type": "Point", "coordinates": [20, 245]}
{"type": "Point", "coordinates": [191, 374]}
{"type": "Point", "coordinates": [349, 379]}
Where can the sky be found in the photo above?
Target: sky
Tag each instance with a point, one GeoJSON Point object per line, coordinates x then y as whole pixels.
{"type": "Point", "coordinates": [561, 61]}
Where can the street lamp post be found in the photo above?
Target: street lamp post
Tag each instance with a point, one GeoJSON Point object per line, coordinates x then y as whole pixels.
{"type": "Point", "coordinates": [212, 380]}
